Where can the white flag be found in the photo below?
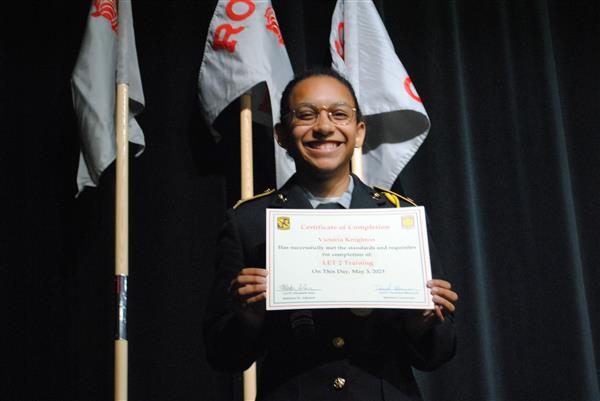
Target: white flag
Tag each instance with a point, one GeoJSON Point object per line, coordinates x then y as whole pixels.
{"type": "Point", "coordinates": [397, 123]}
{"type": "Point", "coordinates": [244, 48]}
{"type": "Point", "coordinates": [107, 57]}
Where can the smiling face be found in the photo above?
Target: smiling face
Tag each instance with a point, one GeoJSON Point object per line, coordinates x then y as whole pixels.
{"type": "Point", "coordinates": [323, 149]}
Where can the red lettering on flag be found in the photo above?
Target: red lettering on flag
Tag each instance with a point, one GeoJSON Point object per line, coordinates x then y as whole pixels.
{"type": "Point", "coordinates": [108, 10]}
{"type": "Point", "coordinates": [409, 90]}
{"type": "Point", "coordinates": [339, 43]}
{"type": "Point", "coordinates": [272, 24]}
{"type": "Point", "coordinates": [225, 43]}
{"type": "Point", "coordinates": [231, 13]}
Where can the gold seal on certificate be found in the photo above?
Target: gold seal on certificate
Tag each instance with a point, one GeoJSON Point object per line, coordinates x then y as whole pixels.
{"type": "Point", "coordinates": [347, 258]}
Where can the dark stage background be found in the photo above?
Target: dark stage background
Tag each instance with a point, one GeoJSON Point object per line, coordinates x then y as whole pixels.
{"type": "Point", "coordinates": [509, 175]}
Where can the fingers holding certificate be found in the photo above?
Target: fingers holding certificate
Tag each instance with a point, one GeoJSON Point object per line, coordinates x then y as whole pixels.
{"type": "Point", "coordinates": [348, 258]}
{"type": "Point", "coordinates": [250, 284]}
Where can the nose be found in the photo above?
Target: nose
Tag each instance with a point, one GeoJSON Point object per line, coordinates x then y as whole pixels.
{"type": "Point", "coordinates": [324, 126]}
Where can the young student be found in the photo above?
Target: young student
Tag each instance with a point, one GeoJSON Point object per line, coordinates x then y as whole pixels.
{"type": "Point", "coordinates": [323, 354]}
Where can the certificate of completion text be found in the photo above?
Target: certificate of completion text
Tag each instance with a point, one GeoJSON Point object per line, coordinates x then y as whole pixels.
{"type": "Point", "coordinates": [347, 258]}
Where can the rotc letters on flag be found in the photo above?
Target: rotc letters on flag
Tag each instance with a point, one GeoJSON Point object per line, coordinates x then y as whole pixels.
{"type": "Point", "coordinates": [245, 51]}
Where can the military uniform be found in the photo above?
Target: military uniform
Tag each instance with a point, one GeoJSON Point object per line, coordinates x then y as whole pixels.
{"type": "Point", "coordinates": [324, 354]}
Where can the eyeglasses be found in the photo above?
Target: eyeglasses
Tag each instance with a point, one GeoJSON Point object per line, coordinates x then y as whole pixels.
{"type": "Point", "coordinates": [308, 114]}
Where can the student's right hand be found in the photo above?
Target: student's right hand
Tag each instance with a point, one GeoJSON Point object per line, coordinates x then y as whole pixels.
{"type": "Point", "coordinates": [250, 284]}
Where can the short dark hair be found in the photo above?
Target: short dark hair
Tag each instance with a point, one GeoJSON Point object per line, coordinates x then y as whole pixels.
{"type": "Point", "coordinates": [316, 72]}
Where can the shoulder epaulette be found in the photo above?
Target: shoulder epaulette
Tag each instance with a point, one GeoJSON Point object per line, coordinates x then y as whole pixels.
{"type": "Point", "coordinates": [242, 201]}
{"type": "Point", "coordinates": [394, 197]}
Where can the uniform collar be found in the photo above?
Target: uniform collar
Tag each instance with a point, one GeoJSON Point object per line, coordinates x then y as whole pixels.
{"type": "Point", "coordinates": [292, 196]}
{"type": "Point", "coordinates": [364, 196]}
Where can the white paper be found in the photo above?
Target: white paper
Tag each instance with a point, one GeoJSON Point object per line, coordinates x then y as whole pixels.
{"type": "Point", "coordinates": [347, 258]}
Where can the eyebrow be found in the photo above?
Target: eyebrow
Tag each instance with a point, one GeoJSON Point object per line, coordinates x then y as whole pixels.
{"type": "Point", "coordinates": [341, 102]}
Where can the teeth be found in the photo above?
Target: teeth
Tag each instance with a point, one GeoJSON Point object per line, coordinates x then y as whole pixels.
{"type": "Point", "coordinates": [323, 145]}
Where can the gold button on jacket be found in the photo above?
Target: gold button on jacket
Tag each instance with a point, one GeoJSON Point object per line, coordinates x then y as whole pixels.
{"type": "Point", "coordinates": [338, 342]}
{"type": "Point", "coordinates": [339, 383]}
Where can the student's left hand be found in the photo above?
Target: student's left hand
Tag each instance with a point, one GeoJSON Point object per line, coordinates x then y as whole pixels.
{"type": "Point", "coordinates": [443, 298]}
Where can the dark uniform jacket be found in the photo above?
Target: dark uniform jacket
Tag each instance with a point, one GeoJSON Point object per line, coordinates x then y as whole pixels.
{"type": "Point", "coordinates": [324, 354]}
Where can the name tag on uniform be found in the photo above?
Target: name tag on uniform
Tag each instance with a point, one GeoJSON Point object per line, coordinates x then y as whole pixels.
{"type": "Point", "coordinates": [347, 258]}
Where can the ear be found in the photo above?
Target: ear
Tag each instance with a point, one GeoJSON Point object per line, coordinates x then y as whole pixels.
{"type": "Point", "coordinates": [281, 135]}
{"type": "Point", "coordinates": [361, 131]}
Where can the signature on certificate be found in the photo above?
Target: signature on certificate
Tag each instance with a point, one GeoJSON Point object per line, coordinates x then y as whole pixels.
{"type": "Point", "coordinates": [396, 292]}
{"type": "Point", "coordinates": [297, 287]}
{"type": "Point", "coordinates": [389, 288]}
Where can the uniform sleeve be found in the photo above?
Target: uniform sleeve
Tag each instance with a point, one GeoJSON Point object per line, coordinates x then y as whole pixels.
{"type": "Point", "coordinates": [232, 330]}
{"type": "Point", "coordinates": [434, 346]}
{"type": "Point", "coordinates": [437, 345]}
{"type": "Point", "coordinates": [425, 351]}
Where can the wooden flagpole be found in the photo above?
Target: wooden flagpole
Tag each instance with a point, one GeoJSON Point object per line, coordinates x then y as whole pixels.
{"type": "Point", "coordinates": [121, 240]}
{"type": "Point", "coordinates": [357, 164]}
{"type": "Point", "coordinates": [247, 191]}
{"type": "Point", "coordinates": [247, 172]}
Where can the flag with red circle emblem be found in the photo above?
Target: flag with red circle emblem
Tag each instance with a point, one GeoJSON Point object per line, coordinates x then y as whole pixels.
{"type": "Point", "coordinates": [397, 123]}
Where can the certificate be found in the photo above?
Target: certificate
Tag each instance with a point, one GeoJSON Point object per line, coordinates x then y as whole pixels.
{"type": "Point", "coordinates": [347, 258]}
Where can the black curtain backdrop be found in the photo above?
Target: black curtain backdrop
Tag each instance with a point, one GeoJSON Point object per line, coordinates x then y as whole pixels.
{"type": "Point", "coordinates": [509, 176]}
